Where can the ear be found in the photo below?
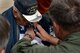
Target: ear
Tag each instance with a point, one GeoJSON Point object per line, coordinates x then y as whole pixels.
{"type": "Point", "coordinates": [3, 51]}
{"type": "Point", "coordinates": [15, 11]}
{"type": "Point", "coordinates": [57, 28]}
{"type": "Point", "coordinates": [59, 31]}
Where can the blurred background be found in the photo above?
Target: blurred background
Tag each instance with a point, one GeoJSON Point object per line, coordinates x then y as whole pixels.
{"type": "Point", "coordinates": [5, 4]}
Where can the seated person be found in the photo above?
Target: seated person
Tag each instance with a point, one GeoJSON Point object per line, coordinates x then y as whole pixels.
{"type": "Point", "coordinates": [65, 16]}
{"type": "Point", "coordinates": [4, 33]}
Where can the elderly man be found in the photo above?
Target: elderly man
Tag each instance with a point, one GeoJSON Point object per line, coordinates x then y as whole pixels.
{"type": "Point", "coordinates": [19, 15]}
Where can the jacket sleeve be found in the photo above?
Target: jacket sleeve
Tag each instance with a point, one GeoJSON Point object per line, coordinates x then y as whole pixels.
{"type": "Point", "coordinates": [70, 45]}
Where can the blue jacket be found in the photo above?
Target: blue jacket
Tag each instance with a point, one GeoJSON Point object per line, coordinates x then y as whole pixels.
{"type": "Point", "coordinates": [13, 33]}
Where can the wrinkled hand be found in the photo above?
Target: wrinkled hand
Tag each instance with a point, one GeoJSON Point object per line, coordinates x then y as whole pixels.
{"type": "Point", "coordinates": [29, 34]}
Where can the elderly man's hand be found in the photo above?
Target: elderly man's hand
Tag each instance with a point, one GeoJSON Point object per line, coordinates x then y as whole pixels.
{"type": "Point", "coordinates": [29, 34]}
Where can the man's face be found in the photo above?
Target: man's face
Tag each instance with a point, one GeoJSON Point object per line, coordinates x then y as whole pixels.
{"type": "Point", "coordinates": [18, 17]}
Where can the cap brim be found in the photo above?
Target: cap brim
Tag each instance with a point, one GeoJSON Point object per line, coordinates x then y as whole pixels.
{"type": "Point", "coordinates": [33, 18]}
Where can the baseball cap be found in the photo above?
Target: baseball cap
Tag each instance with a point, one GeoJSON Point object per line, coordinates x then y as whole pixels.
{"type": "Point", "coordinates": [28, 9]}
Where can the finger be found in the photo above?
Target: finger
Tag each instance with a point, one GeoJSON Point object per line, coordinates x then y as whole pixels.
{"type": "Point", "coordinates": [27, 37]}
{"type": "Point", "coordinates": [31, 33]}
{"type": "Point", "coordinates": [35, 24]}
{"type": "Point", "coordinates": [41, 30]}
{"type": "Point", "coordinates": [29, 29]}
{"type": "Point", "coordinates": [37, 33]}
